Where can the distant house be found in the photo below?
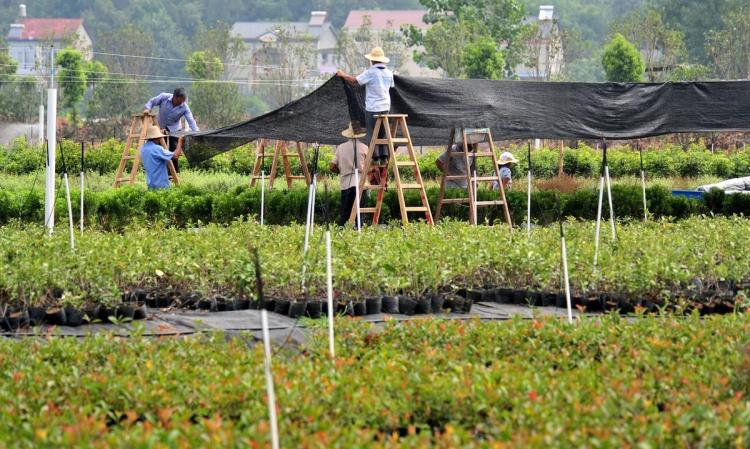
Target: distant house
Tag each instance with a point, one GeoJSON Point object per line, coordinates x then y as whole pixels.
{"type": "Point", "coordinates": [259, 37]}
{"type": "Point", "coordinates": [545, 50]}
{"type": "Point", "coordinates": [379, 20]}
{"type": "Point", "coordinates": [30, 39]}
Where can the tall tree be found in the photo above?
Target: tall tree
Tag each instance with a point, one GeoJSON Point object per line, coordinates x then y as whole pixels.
{"type": "Point", "coordinates": [661, 46]}
{"type": "Point", "coordinates": [483, 60]}
{"type": "Point", "coordinates": [8, 65]}
{"type": "Point", "coordinates": [444, 43]}
{"type": "Point", "coordinates": [72, 79]}
{"type": "Point", "coordinates": [729, 48]}
{"type": "Point", "coordinates": [622, 62]}
{"type": "Point", "coordinates": [351, 45]}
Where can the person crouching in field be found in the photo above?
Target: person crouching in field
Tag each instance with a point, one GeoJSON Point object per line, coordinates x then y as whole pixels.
{"type": "Point", "coordinates": [349, 156]}
{"type": "Point", "coordinates": [506, 162]}
{"type": "Point", "coordinates": [155, 159]}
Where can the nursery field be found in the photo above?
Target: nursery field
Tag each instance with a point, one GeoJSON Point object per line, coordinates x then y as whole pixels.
{"type": "Point", "coordinates": [608, 382]}
{"type": "Point", "coordinates": [694, 264]}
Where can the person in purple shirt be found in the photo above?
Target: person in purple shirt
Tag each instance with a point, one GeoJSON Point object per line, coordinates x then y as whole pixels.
{"type": "Point", "coordinates": [172, 107]}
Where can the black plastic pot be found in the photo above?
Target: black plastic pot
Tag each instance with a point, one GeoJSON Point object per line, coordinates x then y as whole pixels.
{"type": "Point", "coordinates": [74, 316]}
{"type": "Point", "coordinates": [10, 323]}
{"type": "Point", "coordinates": [489, 295]}
{"type": "Point", "coordinates": [55, 316]}
{"type": "Point", "coordinates": [474, 294]}
{"type": "Point", "coordinates": [140, 295]}
{"type": "Point", "coordinates": [241, 304]}
{"type": "Point", "coordinates": [163, 301]}
{"type": "Point", "coordinates": [360, 308]}
{"type": "Point", "coordinates": [190, 300]}
{"type": "Point", "coordinates": [504, 295]}
{"type": "Point", "coordinates": [424, 305]}
{"type": "Point", "coordinates": [268, 304]}
{"type": "Point", "coordinates": [205, 304]}
{"type": "Point", "coordinates": [374, 305]}
{"type": "Point", "coordinates": [324, 306]}
{"type": "Point", "coordinates": [407, 306]}
{"type": "Point", "coordinates": [549, 299]}
{"type": "Point", "coordinates": [390, 304]}
{"type": "Point", "coordinates": [436, 303]}
{"type": "Point", "coordinates": [36, 316]}
{"type": "Point", "coordinates": [151, 301]}
{"type": "Point", "coordinates": [314, 309]}
{"type": "Point", "coordinates": [536, 299]}
{"type": "Point", "coordinates": [345, 308]}
{"type": "Point", "coordinates": [125, 311]}
{"type": "Point", "coordinates": [449, 303]}
{"type": "Point", "coordinates": [139, 312]}
{"type": "Point", "coordinates": [519, 297]}
{"type": "Point", "coordinates": [227, 305]}
{"type": "Point", "coordinates": [297, 309]}
{"type": "Point", "coordinates": [282, 306]}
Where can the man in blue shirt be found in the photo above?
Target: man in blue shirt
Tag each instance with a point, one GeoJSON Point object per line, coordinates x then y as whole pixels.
{"type": "Point", "coordinates": [172, 107]}
{"type": "Point", "coordinates": [378, 80]}
{"type": "Point", "coordinates": [155, 159]}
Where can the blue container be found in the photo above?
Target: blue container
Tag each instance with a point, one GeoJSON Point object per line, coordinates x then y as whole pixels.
{"type": "Point", "coordinates": [688, 193]}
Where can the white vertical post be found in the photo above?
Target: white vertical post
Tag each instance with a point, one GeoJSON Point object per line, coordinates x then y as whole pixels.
{"type": "Point", "coordinates": [528, 207]}
{"type": "Point", "coordinates": [262, 195]}
{"type": "Point", "coordinates": [269, 381]}
{"type": "Point", "coordinates": [357, 199]}
{"type": "Point", "coordinates": [41, 124]}
{"type": "Point", "coordinates": [565, 276]}
{"type": "Point", "coordinates": [83, 169]}
{"type": "Point", "coordinates": [598, 220]}
{"type": "Point", "coordinates": [643, 185]}
{"type": "Point", "coordinates": [310, 213]}
{"type": "Point", "coordinates": [537, 143]}
{"type": "Point", "coordinates": [49, 193]}
{"type": "Point", "coordinates": [70, 210]}
{"type": "Point", "coordinates": [474, 187]}
{"type": "Point", "coordinates": [82, 215]}
{"type": "Point", "coordinates": [329, 290]}
{"type": "Point", "coordinates": [609, 196]}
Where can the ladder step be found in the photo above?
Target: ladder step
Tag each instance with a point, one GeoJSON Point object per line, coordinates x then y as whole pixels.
{"type": "Point", "coordinates": [395, 140]}
{"type": "Point", "coordinates": [485, 178]}
{"type": "Point", "coordinates": [490, 203]}
{"type": "Point", "coordinates": [411, 186]}
{"type": "Point", "coordinates": [405, 163]}
{"type": "Point", "coordinates": [367, 210]}
{"type": "Point", "coordinates": [373, 187]}
{"type": "Point", "coordinates": [455, 200]}
{"type": "Point", "coordinates": [482, 154]}
{"type": "Point", "coordinates": [123, 179]}
{"type": "Point", "coordinates": [416, 209]}
{"type": "Point", "coordinates": [128, 158]}
{"type": "Point", "coordinates": [452, 177]}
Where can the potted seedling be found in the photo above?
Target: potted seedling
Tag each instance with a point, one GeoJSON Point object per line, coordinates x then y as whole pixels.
{"type": "Point", "coordinates": [73, 307]}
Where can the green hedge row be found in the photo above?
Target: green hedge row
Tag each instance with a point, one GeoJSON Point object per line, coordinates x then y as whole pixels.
{"type": "Point", "coordinates": [21, 157]}
{"type": "Point", "coordinates": [181, 206]}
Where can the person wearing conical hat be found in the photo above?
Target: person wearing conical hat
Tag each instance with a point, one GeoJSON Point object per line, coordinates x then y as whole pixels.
{"type": "Point", "coordinates": [378, 80]}
{"type": "Point", "coordinates": [155, 158]}
{"type": "Point", "coordinates": [505, 164]}
{"type": "Point", "coordinates": [349, 156]}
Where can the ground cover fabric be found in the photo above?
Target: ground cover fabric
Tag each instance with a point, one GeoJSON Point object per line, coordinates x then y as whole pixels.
{"type": "Point", "coordinates": [512, 109]}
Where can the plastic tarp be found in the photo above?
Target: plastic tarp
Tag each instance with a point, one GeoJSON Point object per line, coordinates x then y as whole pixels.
{"type": "Point", "coordinates": [512, 109]}
{"type": "Point", "coordinates": [735, 185]}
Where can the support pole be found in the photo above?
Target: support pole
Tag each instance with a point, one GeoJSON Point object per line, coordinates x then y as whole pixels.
{"type": "Point", "coordinates": [609, 197]}
{"type": "Point", "coordinates": [329, 291]}
{"type": "Point", "coordinates": [356, 186]}
{"type": "Point", "coordinates": [474, 204]}
{"type": "Point", "coordinates": [83, 171]}
{"type": "Point", "coordinates": [49, 192]}
{"type": "Point", "coordinates": [262, 195]}
{"type": "Point", "coordinates": [528, 198]}
{"type": "Point", "coordinates": [564, 255]}
{"type": "Point", "coordinates": [643, 185]}
{"type": "Point", "coordinates": [598, 220]}
{"type": "Point", "coordinates": [269, 381]}
{"type": "Point", "coordinates": [70, 211]}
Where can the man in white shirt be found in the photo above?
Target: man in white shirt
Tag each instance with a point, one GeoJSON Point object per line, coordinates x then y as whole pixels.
{"type": "Point", "coordinates": [349, 156]}
{"type": "Point", "coordinates": [378, 80]}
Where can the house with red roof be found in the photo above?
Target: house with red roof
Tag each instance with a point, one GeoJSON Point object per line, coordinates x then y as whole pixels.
{"type": "Point", "coordinates": [30, 39]}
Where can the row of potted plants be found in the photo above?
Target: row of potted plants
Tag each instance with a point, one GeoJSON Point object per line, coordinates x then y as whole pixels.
{"type": "Point", "coordinates": [539, 383]}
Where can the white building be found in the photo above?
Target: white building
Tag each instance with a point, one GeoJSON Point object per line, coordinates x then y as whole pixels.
{"type": "Point", "coordinates": [30, 39]}
{"type": "Point", "coordinates": [258, 36]}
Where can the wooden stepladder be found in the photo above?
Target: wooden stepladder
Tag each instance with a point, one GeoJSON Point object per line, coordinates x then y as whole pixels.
{"type": "Point", "coordinates": [137, 135]}
{"type": "Point", "coordinates": [280, 153]}
{"type": "Point", "coordinates": [396, 133]}
{"type": "Point", "coordinates": [473, 179]}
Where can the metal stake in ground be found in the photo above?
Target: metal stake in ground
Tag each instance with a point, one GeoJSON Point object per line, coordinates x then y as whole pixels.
{"type": "Point", "coordinates": [528, 198]}
{"type": "Point", "coordinates": [311, 196]}
{"type": "Point", "coordinates": [262, 194]}
{"type": "Point", "coordinates": [643, 185]}
{"type": "Point", "coordinates": [83, 170]}
{"type": "Point", "coordinates": [67, 198]}
{"type": "Point", "coordinates": [269, 381]}
{"type": "Point", "coordinates": [329, 291]}
{"type": "Point", "coordinates": [604, 177]}
{"type": "Point", "coordinates": [564, 254]}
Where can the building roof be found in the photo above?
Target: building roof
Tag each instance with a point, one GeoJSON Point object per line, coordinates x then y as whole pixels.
{"type": "Point", "coordinates": [386, 18]}
{"type": "Point", "coordinates": [249, 31]}
{"type": "Point", "coordinates": [52, 28]}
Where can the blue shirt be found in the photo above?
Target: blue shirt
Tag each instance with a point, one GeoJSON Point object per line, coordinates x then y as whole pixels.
{"type": "Point", "coordinates": [169, 116]}
{"type": "Point", "coordinates": [378, 81]}
{"type": "Point", "coordinates": [155, 159]}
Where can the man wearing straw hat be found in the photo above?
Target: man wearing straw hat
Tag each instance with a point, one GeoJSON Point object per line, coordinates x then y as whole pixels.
{"type": "Point", "coordinates": [155, 159]}
{"type": "Point", "coordinates": [349, 156]}
{"type": "Point", "coordinates": [378, 80]}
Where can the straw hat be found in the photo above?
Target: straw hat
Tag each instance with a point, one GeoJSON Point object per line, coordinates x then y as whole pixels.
{"type": "Point", "coordinates": [350, 132]}
{"type": "Point", "coordinates": [154, 133]}
{"type": "Point", "coordinates": [377, 55]}
{"type": "Point", "coordinates": [507, 158]}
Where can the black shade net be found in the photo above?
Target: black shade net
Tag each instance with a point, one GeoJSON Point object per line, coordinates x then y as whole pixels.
{"type": "Point", "coordinates": [512, 109]}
